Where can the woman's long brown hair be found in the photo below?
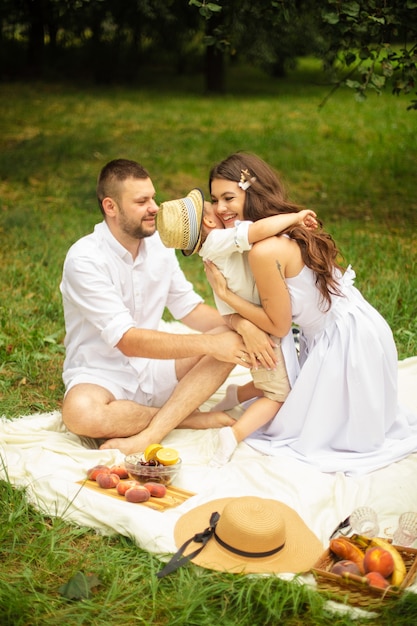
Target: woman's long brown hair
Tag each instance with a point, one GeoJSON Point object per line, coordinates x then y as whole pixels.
{"type": "Point", "coordinates": [266, 196]}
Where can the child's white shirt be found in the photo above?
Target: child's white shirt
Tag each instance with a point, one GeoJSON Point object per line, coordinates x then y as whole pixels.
{"type": "Point", "coordinates": [226, 248]}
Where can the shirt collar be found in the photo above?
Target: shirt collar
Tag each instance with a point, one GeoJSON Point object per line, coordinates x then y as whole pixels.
{"type": "Point", "coordinates": [105, 233]}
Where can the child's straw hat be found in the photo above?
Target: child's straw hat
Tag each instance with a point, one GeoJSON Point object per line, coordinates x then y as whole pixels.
{"type": "Point", "coordinates": [179, 222]}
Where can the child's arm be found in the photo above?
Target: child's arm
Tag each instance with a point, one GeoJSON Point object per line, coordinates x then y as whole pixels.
{"type": "Point", "coordinates": [270, 226]}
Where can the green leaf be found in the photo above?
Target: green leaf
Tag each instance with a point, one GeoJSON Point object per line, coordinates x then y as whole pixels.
{"type": "Point", "coordinates": [351, 8]}
{"type": "Point", "coordinates": [214, 7]}
{"type": "Point", "coordinates": [79, 586]}
{"type": "Point", "coordinates": [331, 17]}
{"type": "Point", "coordinates": [379, 20]}
{"type": "Point", "coordinates": [378, 80]}
{"type": "Point", "coordinates": [352, 84]}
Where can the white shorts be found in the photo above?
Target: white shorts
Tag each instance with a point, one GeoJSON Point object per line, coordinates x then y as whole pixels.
{"type": "Point", "coordinates": [163, 377]}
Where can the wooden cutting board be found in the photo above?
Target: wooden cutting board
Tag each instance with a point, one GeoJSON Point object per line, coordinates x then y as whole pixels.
{"type": "Point", "coordinates": [174, 496]}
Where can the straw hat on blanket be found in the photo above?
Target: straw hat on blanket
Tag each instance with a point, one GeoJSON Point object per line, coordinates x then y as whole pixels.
{"type": "Point", "coordinates": [245, 535]}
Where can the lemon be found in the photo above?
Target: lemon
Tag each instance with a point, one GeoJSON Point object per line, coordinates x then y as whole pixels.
{"type": "Point", "coordinates": [151, 450]}
{"type": "Point", "coordinates": [167, 456]}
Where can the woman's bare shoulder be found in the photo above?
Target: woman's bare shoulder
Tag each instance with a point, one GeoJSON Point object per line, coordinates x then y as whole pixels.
{"type": "Point", "coordinates": [278, 243]}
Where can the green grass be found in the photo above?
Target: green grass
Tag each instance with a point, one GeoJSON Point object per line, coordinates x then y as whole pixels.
{"type": "Point", "coordinates": [352, 163]}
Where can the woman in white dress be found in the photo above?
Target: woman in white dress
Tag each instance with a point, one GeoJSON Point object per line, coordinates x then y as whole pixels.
{"type": "Point", "coordinates": [342, 412]}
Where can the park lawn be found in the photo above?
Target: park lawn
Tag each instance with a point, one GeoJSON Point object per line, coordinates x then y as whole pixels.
{"type": "Point", "coordinates": [353, 163]}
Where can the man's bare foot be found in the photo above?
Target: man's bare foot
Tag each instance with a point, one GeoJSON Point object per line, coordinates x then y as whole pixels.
{"type": "Point", "coordinates": [128, 445]}
{"type": "Point", "coordinates": [197, 421]}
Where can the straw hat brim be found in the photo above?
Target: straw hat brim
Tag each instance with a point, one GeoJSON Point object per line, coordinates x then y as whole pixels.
{"type": "Point", "coordinates": [179, 222]}
{"type": "Point", "coordinates": [301, 550]}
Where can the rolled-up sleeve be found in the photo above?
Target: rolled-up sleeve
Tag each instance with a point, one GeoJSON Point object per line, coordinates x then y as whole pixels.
{"type": "Point", "coordinates": [221, 243]}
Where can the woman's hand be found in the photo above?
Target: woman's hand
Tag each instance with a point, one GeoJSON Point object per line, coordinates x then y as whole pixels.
{"type": "Point", "coordinates": [259, 345]}
{"type": "Point", "coordinates": [216, 280]}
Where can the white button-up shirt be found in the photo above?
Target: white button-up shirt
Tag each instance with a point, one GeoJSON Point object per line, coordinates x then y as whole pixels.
{"type": "Point", "coordinates": [106, 292]}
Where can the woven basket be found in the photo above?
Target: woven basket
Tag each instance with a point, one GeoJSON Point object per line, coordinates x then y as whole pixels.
{"type": "Point", "coordinates": [353, 590]}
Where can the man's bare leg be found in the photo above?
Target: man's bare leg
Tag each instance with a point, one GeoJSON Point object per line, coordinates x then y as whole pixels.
{"type": "Point", "coordinates": [92, 411]}
{"type": "Point", "coordinates": [194, 388]}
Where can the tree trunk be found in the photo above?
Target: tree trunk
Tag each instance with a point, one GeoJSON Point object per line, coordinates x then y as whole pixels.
{"type": "Point", "coordinates": [215, 65]}
{"type": "Point", "coordinates": [36, 41]}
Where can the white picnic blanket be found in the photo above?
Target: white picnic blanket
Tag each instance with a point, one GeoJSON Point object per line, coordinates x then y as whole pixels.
{"type": "Point", "coordinates": [37, 452]}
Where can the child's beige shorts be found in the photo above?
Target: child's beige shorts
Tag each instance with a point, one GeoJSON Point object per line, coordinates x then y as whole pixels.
{"type": "Point", "coordinates": [274, 383]}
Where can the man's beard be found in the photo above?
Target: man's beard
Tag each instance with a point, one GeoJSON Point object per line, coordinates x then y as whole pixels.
{"type": "Point", "coordinates": [139, 233]}
{"type": "Point", "coordinates": [136, 231]}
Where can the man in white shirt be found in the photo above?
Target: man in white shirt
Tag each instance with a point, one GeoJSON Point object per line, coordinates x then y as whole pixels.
{"type": "Point", "coordinates": [126, 381]}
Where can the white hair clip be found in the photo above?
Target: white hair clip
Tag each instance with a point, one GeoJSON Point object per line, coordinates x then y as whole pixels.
{"type": "Point", "coordinates": [245, 179]}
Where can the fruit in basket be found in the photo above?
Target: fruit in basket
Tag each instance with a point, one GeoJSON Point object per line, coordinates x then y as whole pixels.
{"type": "Point", "coordinates": [138, 493]}
{"type": "Point", "coordinates": [379, 560]}
{"type": "Point", "coordinates": [157, 490]}
{"type": "Point", "coordinates": [345, 549]}
{"type": "Point", "coordinates": [97, 469]}
{"type": "Point", "coordinates": [106, 480]}
{"type": "Point", "coordinates": [345, 567]}
{"type": "Point", "coordinates": [377, 580]}
{"type": "Point", "coordinates": [120, 470]}
{"type": "Point", "coordinates": [400, 570]}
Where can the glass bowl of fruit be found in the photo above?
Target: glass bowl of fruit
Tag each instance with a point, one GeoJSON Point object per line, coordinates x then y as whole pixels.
{"type": "Point", "coordinates": [156, 464]}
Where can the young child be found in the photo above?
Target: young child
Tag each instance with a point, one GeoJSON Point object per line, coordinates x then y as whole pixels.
{"type": "Point", "coordinates": [191, 225]}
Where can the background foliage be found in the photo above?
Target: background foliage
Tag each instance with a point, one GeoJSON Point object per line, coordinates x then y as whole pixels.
{"type": "Point", "coordinates": [364, 44]}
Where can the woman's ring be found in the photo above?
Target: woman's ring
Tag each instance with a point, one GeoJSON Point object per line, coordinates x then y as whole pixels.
{"type": "Point", "coordinates": [242, 358]}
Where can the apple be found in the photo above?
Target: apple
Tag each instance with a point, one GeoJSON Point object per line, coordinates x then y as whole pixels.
{"type": "Point", "coordinates": [377, 580]}
{"type": "Point", "coordinates": [378, 560]}
{"type": "Point", "coordinates": [345, 566]}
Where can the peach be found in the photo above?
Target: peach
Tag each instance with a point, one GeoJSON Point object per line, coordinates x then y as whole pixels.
{"type": "Point", "coordinates": [93, 471]}
{"type": "Point", "coordinates": [120, 470]}
{"type": "Point", "coordinates": [106, 480]}
{"type": "Point", "coordinates": [378, 560]}
{"type": "Point", "coordinates": [137, 494]}
{"type": "Point", "coordinates": [345, 566]}
{"type": "Point", "coordinates": [377, 580]}
{"type": "Point", "coordinates": [124, 485]}
{"type": "Point", "coordinates": [156, 489]}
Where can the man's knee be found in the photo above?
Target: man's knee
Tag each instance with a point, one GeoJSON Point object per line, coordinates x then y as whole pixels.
{"type": "Point", "coordinates": [82, 409]}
